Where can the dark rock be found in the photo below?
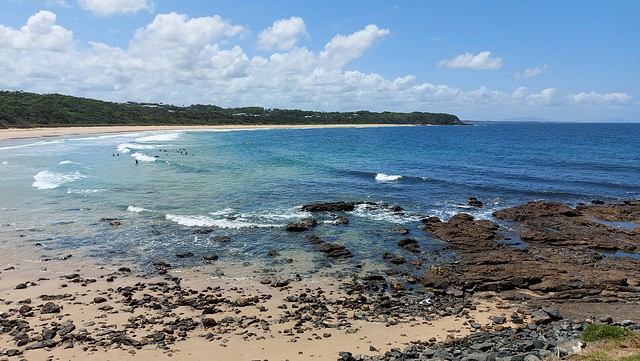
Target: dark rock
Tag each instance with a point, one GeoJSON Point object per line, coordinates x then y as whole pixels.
{"type": "Point", "coordinates": [330, 207]}
{"type": "Point", "coordinates": [204, 230]}
{"type": "Point", "coordinates": [48, 334]}
{"type": "Point", "coordinates": [210, 257]}
{"type": "Point", "coordinates": [99, 299]}
{"type": "Point", "coordinates": [50, 307]}
{"type": "Point", "coordinates": [272, 253]}
{"type": "Point", "coordinates": [535, 210]}
{"type": "Point", "coordinates": [222, 239]}
{"type": "Point", "coordinates": [474, 202]}
{"type": "Point", "coordinates": [21, 286]}
{"type": "Point", "coordinates": [301, 225]}
{"type": "Point", "coordinates": [410, 245]}
{"type": "Point", "coordinates": [184, 254]}
{"type": "Point", "coordinates": [400, 230]}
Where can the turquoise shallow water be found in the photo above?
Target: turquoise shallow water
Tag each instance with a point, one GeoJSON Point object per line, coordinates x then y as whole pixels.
{"type": "Point", "coordinates": [249, 184]}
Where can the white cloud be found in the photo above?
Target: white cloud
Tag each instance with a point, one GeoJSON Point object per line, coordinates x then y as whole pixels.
{"type": "Point", "coordinates": [343, 49]}
{"type": "Point", "coordinates": [284, 34]}
{"type": "Point", "coordinates": [113, 7]}
{"type": "Point", "coordinates": [593, 97]}
{"type": "Point", "coordinates": [482, 61]}
{"type": "Point", "coordinates": [532, 72]}
{"type": "Point", "coordinates": [181, 60]}
{"type": "Point", "coordinates": [40, 32]}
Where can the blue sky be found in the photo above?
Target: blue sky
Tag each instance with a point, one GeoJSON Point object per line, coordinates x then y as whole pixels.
{"type": "Point", "coordinates": [481, 60]}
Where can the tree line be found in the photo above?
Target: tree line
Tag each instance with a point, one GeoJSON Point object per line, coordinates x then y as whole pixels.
{"type": "Point", "coordinates": [27, 110]}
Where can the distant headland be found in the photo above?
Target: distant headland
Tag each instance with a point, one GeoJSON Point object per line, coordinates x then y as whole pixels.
{"type": "Point", "coordinates": [28, 110]}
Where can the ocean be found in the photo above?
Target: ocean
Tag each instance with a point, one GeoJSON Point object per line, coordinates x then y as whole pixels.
{"type": "Point", "coordinates": [184, 191]}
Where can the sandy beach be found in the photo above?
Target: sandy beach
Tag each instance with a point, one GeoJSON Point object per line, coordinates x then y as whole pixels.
{"type": "Point", "coordinates": [22, 133]}
{"type": "Point", "coordinates": [258, 317]}
{"type": "Point", "coordinates": [494, 299]}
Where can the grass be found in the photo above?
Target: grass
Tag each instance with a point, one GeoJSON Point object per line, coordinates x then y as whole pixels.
{"type": "Point", "coordinates": [600, 332]}
{"type": "Point", "coordinates": [611, 343]}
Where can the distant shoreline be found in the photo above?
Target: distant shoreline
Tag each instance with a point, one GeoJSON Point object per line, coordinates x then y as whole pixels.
{"type": "Point", "coordinates": [24, 133]}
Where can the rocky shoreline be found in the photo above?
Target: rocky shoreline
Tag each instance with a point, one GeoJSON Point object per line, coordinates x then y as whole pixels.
{"type": "Point", "coordinates": [523, 289]}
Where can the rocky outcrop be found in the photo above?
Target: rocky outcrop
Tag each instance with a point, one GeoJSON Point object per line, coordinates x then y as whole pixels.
{"type": "Point", "coordinates": [330, 207]}
{"type": "Point", "coordinates": [559, 263]}
{"type": "Point", "coordinates": [301, 225]}
{"type": "Point", "coordinates": [331, 250]}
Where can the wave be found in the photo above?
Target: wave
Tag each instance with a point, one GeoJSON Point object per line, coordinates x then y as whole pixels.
{"type": "Point", "coordinates": [205, 221]}
{"type": "Point", "coordinates": [50, 180]}
{"type": "Point", "coordinates": [167, 137]}
{"type": "Point", "coordinates": [135, 209]}
{"type": "Point", "coordinates": [143, 157]}
{"type": "Point", "coordinates": [126, 147]}
{"type": "Point", "coordinates": [381, 177]}
{"type": "Point", "coordinates": [67, 162]}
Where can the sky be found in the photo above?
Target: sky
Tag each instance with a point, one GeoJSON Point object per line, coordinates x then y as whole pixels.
{"type": "Point", "coordinates": [570, 60]}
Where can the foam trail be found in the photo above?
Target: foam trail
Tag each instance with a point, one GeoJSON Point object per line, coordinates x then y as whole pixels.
{"type": "Point", "coordinates": [381, 177]}
{"type": "Point", "coordinates": [135, 209]}
{"type": "Point", "coordinates": [204, 221]}
{"type": "Point", "coordinates": [50, 180]}
{"type": "Point", "coordinates": [159, 138]}
{"type": "Point", "coordinates": [67, 162]}
{"type": "Point", "coordinates": [143, 157]}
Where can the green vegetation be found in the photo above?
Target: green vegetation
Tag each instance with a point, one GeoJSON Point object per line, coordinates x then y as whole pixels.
{"type": "Point", "coordinates": [610, 343]}
{"type": "Point", "coordinates": [26, 110]}
{"type": "Point", "coordinates": [601, 332]}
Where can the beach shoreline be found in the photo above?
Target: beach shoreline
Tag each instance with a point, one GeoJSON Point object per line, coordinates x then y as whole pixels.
{"type": "Point", "coordinates": [25, 133]}
{"type": "Point", "coordinates": [264, 319]}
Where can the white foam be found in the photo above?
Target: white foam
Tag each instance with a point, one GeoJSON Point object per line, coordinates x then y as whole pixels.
{"type": "Point", "coordinates": [143, 157]}
{"type": "Point", "coordinates": [381, 177]}
{"type": "Point", "coordinates": [126, 147]}
{"type": "Point", "coordinates": [51, 180]}
{"type": "Point", "coordinates": [205, 221]}
{"type": "Point", "coordinates": [383, 215]}
{"type": "Point", "coordinates": [6, 162]}
{"type": "Point", "coordinates": [84, 191]}
{"type": "Point", "coordinates": [167, 137]}
{"type": "Point", "coordinates": [67, 162]}
{"type": "Point", "coordinates": [135, 209]}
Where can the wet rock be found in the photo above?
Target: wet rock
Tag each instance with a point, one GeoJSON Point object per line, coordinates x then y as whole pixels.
{"type": "Point", "coordinates": [410, 245]}
{"type": "Point", "coordinates": [535, 210]}
{"type": "Point", "coordinates": [301, 225]}
{"type": "Point", "coordinates": [222, 239]}
{"type": "Point", "coordinates": [330, 207]}
{"type": "Point", "coordinates": [210, 257]}
{"type": "Point", "coordinates": [400, 230]}
{"type": "Point", "coordinates": [203, 230]}
{"type": "Point", "coordinates": [21, 286]}
{"type": "Point", "coordinates": [184, 254]}
{"type": "Point", "coordinates": [331, 250]}
{"type": "Point", "coordinates": [161, 264]}
{"type": "Point", "coordinates": [474, 202]}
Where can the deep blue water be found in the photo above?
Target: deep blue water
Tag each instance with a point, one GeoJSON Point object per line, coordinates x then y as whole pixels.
{"type": "Point", "coordinates": [248, 184]}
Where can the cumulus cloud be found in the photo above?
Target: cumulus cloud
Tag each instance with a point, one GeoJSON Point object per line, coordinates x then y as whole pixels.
{"type": "Point", "coordinates": [481, 61]}
{"type": "Point", "coordinates": [283, 34]}
{"type": "Point", "coordinates": [609, 98]}
{"type": "Point", "coordinates": [343, 49]}
{"type": "Point", "coordinates": [40, 32]}
{"type": "Point", "coordinates": [532, 72]}
{"type": "Point", "coordinates": [181, 60]}
{"type": "Point", "coordinates": [113, 7]}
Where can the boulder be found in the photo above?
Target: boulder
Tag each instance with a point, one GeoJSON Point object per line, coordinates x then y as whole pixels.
{"type": "Point", "coordinates": [301, 225]}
